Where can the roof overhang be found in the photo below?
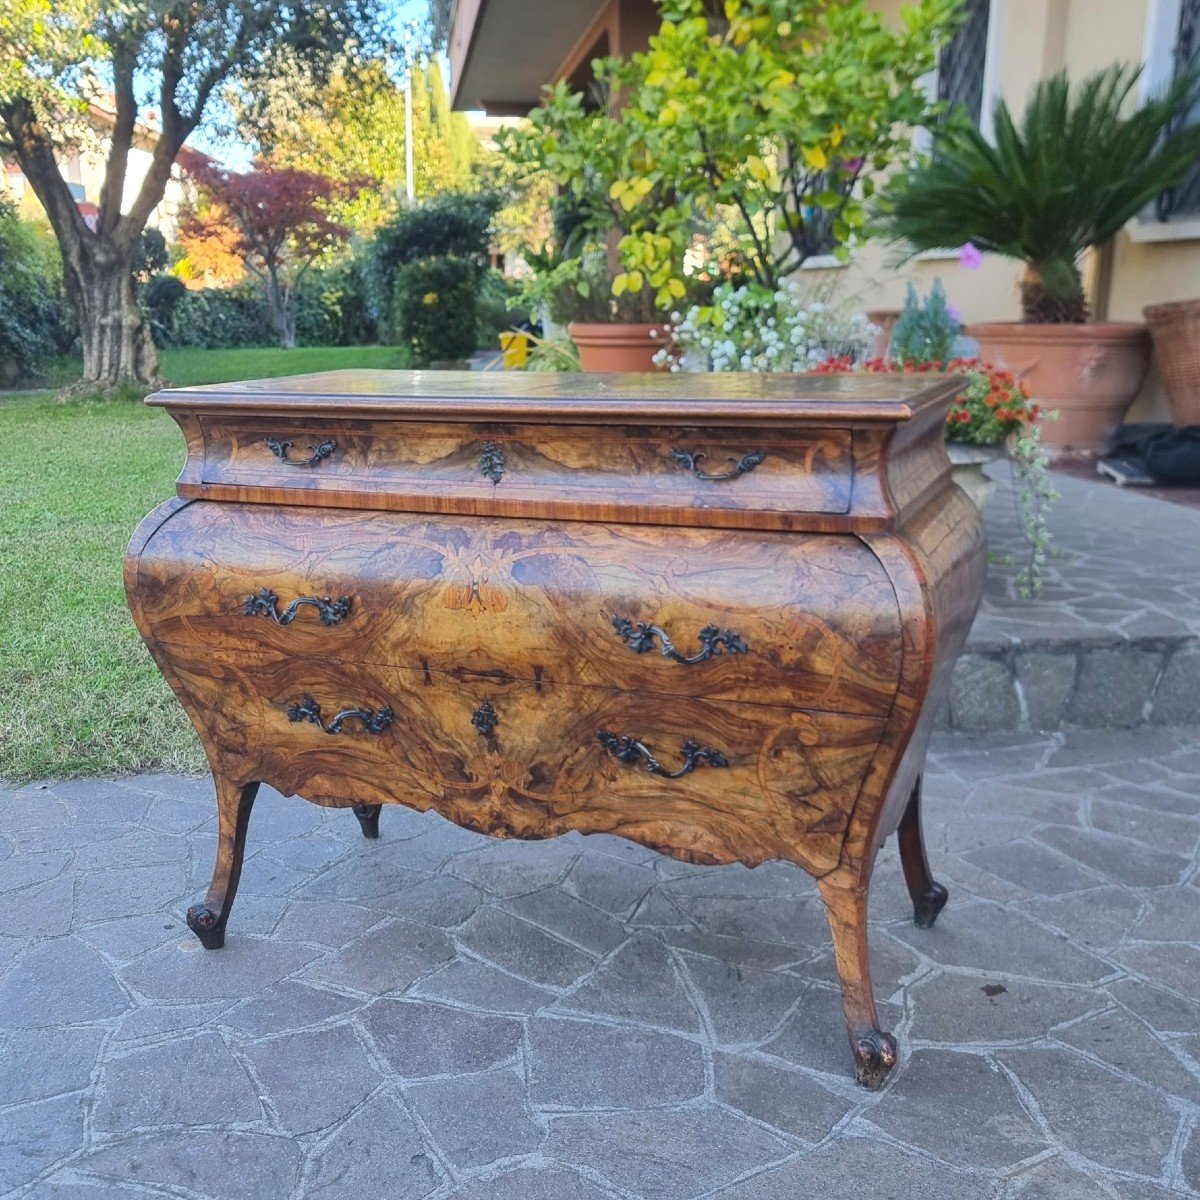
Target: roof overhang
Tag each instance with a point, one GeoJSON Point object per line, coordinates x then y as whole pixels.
{"type": "Point", "coordinates": [502, 52]}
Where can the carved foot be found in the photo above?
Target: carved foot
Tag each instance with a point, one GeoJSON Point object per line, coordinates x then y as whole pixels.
{"type": "Point", "coordinates": [368, 818]}
{"type": "Point", "coordinates": [929, 903]}
{"type": "Point", "coordinates": [207, 921]}
{"type": "Point", "coordinates": [874, 1058]}
{"type": "Point", "coordinates": [928, 896]}
{"type": "Point", "coordinates": [207, 926]}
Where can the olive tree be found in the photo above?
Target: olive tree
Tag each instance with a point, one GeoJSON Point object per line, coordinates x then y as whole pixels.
{"type": "Point", "coordinates": [174, 56]}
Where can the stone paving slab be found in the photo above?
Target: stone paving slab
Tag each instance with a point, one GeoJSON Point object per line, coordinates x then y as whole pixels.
{"type": "Point", "coordinates": [1114, 639]}
{"type": "Point", "coordinates": [436, 1015]}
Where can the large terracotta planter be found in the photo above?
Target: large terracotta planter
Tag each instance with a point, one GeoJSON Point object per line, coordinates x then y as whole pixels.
{"type": "Point", "coordinates": [884, 319]}
{"type": "Point", "coordinates": [1175, 328]}
{"type": "Point", "coordinates": [1089, 374]}
{"type": "Point", "coordinates": [613, 347]}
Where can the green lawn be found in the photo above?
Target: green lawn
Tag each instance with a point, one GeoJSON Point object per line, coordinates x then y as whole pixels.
{"type": "Point", "coordinates": [80, 694]}
{"type": "Point", "coordinates": [186, 367]}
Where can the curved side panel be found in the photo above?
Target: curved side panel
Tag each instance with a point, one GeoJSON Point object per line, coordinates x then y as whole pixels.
{"type": "Point", "coordinates": [937, 566]}
{"type": "Point", "coordinates": [142, 536]}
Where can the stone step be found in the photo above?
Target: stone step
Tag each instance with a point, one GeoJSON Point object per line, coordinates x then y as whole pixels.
{"type": "Point", "coordinates": [1114, 639]}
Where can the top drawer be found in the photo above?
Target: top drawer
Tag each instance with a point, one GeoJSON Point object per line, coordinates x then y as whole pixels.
{"type": "Point", "coordinates": [715, 476]}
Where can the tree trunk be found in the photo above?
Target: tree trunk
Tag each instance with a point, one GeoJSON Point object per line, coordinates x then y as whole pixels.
{"type": "Point", "coordinates": [118, 348]}
{"type": "Point", "coordinates": [279, 305]}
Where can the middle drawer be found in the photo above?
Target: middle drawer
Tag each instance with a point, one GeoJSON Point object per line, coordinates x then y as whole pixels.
{"type": "Point", "coordinates": [781, 619]}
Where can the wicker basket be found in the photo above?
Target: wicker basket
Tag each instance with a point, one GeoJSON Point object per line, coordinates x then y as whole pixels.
{"type": "Point", "coordinates": [1175, 328]}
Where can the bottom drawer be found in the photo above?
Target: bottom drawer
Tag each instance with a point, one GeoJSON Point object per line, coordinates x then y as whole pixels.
{"type": "Point", "coordinates": [703, 780]}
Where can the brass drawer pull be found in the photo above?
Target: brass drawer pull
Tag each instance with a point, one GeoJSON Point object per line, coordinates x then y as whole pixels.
{"type": "Point", "coordinates": [630, 750]}
{"type": "Point", "coordinates": [308, 710]}
{"type": "Point", "coordinates": [640, 638]}
{"type": "Point", "coordinates": [485, 719]}
{"type": "Point", "coordinates": [265, 603]}
{"type": "Point", "coordinates": [491, 462]}
{"type": "Point", "coordinates": [693, 460]}
{"type": "Point", "coordinates": [319, 453]}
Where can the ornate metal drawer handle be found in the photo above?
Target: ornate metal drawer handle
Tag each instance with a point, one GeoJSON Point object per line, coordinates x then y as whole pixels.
{"type": "Point", "coordinates": [630, 750]}
{"type": "Point", "coordinates": [640, 637]}
{"type": "Point", "coordinates": [485, 719]}
{"type": "Point", "coordinates": [265, 603]}
{"type": "Point", "coordinates": [693, 461]}
{"type": "Point", "coordinates": [308, 709]}
{"type": "Point", "coordinates": [319, 453]}
{"type": "Point", "coordinates": [491, 462]}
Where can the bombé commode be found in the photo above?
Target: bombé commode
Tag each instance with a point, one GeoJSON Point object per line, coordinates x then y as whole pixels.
{"type": "Point", "coordinates": [713, 614]}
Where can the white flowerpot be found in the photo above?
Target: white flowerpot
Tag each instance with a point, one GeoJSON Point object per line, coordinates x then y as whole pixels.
{"type": "Point", "coordinates": [968, 463]}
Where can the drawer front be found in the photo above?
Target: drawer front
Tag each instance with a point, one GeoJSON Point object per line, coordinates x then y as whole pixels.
{"type": "Point", "coordinates": [439, 468]}
{"type": "Point", "coordinates": [807, 621]}
{"type": "Point", "coordinates": [706, 781]}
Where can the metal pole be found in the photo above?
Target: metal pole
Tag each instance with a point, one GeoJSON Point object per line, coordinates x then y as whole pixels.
{"type": "Point", "coordinates": [408, 137]}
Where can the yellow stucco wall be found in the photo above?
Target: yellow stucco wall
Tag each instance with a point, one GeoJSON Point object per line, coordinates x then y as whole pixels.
{"type": "Point", "coordinates": [1033, 38]}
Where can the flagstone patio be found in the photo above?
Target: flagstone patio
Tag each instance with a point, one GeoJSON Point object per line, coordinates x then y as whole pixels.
{"type": "Point", "coordinates": [439, 1015]}
{"type": "Point", "coordinates": [1114, 638]}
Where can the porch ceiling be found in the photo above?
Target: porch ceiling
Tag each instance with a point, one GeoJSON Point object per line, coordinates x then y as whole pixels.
{"type": "Point", "coordinates": [503, 51]}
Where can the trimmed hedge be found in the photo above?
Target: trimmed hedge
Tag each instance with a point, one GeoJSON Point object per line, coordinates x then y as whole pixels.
{"type": "Point", "coordinates": [453, 225]}
{"type": "Point", "coordinates": [331, 310]}
{"type": "Point", "coordinates": [436, 303]}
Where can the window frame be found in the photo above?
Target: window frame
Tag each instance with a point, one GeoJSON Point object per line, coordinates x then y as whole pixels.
{"type": "Point", "coordinates": [1159, 41]}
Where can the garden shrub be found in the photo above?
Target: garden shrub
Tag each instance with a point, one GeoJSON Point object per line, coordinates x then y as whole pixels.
{"type": "Point", "coordinates": [927, 330]}
{"type": "Point", "coordinates": [160, 296]}
{"type": "Point", "coordinates": [331, 310]}
{"type": "Point", "coordinates": [495, 314]}
{"type": "Point", "coordinates": [454, 225]}
{"type": "Point", "coordinates": [221, 318]}
{"type": "Point", "coordinates": [35, 319]}
{"type": "Point", "coordinates": [436, 303]}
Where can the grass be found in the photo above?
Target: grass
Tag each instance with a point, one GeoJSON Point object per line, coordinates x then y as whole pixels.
{"type": "Point", "coordinates": [81, 696]}
{"type": "Point", "coordinates": [187, 367]}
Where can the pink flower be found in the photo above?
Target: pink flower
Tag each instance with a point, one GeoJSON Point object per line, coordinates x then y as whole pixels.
{"type": "Point", "coordinates": [953, 313]}
{"type": "Point", "coordinates": [970, 257]}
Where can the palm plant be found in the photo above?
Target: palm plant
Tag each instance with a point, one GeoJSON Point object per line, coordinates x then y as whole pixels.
{"type": "Point", "coordinates": [1076, 168]}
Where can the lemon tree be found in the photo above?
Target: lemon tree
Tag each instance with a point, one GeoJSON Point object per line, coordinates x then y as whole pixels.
{"type": "Point", "coordinates": [752, 135]}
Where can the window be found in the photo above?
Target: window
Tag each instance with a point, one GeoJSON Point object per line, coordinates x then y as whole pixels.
{"type": "Point", "coordinates": [1184, 199]}
{"type": "Point", "coordinates": [962, 66]}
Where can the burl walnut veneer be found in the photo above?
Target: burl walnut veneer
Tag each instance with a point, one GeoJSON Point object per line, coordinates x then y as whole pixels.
{"type": "Point", "coordinates": [711, 613]}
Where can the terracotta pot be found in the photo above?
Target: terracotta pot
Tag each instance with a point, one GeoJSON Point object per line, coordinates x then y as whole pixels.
{"type": "Point", "coordinates": [1175, 328]}
{"type": "Point", "coordinates": [885, 319]}
{"type": "Point", "coordinates": [967, 463]}
{"type": "Point", "coordinates": [1089, 374]}
{"type": "Point", "coordinates": [613, 347]}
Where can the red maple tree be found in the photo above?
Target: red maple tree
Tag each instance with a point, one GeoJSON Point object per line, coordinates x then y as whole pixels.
{"type": "Point", "coordinates": [281, 221]}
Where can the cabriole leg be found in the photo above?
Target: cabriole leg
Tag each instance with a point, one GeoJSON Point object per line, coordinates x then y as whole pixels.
{"type": "Point", "coordinates": [874, 1050]}
{"type": "Point", "coordinates": [928, 896]}
{"type": "Point", "coordinates": [368, 818]}
{"type": "Point", "coordinates": [207, 920]}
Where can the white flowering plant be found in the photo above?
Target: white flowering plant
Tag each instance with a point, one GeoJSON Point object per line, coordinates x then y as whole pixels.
{"type": "Point", "coordinates": [751, 328]}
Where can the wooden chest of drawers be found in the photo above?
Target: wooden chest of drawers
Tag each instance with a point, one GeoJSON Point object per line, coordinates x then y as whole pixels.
{"type": "Point", "coordinates": [713, 614]}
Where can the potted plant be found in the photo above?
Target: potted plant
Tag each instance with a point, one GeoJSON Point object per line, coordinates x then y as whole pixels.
{"type": "Point", "coordinates": [577, 281]}
{"type": "Point", "coordinates": [746, 141]}
{"type": "Point", "coordinates": [994, 416]}
{"type": "Point", "coordinates": [1065, 180]}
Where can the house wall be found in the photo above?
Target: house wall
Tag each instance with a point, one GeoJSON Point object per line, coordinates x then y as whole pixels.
{"type": "Point", "coordinates": [1150, 262]}
{"type": "Point", "coordinates": [85, 168]}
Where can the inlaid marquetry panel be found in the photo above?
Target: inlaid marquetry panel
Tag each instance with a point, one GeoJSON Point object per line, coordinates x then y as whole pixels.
{"type": "Point", "coordinates": [802, 621]}
{"type": "Point", "coordinates": [532, 764]}
{"type": "Point", "coordinates": [680, 468]}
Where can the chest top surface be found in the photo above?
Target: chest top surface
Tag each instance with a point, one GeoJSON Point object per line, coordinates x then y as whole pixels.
{"type": "Point", "coordinates": [794, 452]}
{"type": "Point", "coordinates": [566, 398]}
